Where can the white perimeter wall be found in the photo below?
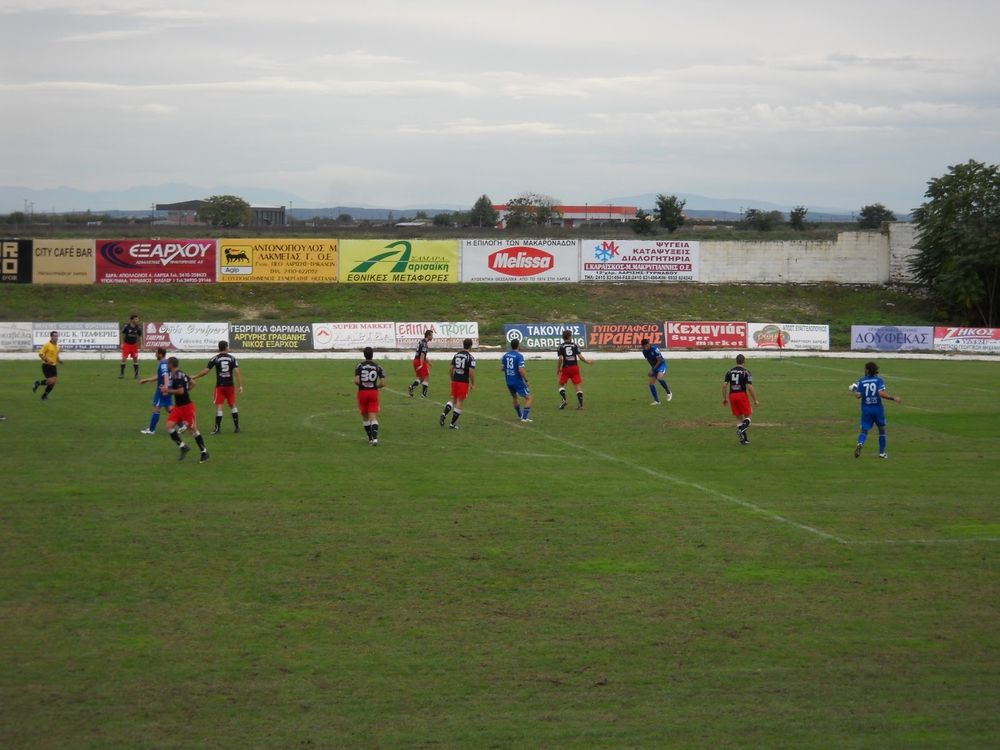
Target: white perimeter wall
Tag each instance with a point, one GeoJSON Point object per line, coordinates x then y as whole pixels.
{"type": "Point", "coordinates": [853, 258]}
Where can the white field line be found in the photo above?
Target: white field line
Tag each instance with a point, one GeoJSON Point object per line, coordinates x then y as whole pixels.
{"type": "Point", "coordinates": [746, 504]}
{"type": "Point", "coordinates": [666, 477]}
{"type": "Point", "coordinates": [994, 391]}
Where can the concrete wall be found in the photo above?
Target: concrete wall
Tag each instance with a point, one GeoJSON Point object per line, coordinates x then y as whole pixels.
{"type": "Point", "coordinates": [854, 258]}
{"type": "Point", "coordinates": [902, 238]}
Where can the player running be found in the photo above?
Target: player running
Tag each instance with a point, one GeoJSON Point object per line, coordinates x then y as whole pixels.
{"type": "Point", "coordinates": [160, 400]}
{"type": "Point", "coordinates": [871, 390]}
{"type": "Point", "coordinates": [657, 371]}
{"type": "Point", "coordinates": [131, 334]}
{"type": "Point", "coordinates": [512, 366]}
{"type": "Point", "coordinates": [369, 378]}
{"type": "Point", "coordinates": [568, 367]}
{"type": "Point", "coordinates": [49, 354]}
{"type": "Point", "coordinates": [421, 365]}
{"type": "Point", "coordinates": [463, 378]}
{"type": "Point", "coordinates": [736, 385]}
{"type": "Point", "coordinates": [179, 386]}
{"type": "Point", "coordinates": [227, 369]}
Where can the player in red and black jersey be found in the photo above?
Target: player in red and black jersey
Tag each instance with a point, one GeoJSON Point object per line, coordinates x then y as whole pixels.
{"type": "Point", "coordinates": [228, 382]}
{"type": "Point", "coordinates": [568, 368]}
{"type": "Point", "coordinates": [131, 334]}
{"type": "Point", "coordinates": [370, 379]}
{"type": "Point", "coordinates": [463, 377]}
{"type": "Point", "coordinates": [737, 387]}
{"type": "Point", "coordinates": [184, 411]}
{"type": "Point", "coordinates": [421, 365]}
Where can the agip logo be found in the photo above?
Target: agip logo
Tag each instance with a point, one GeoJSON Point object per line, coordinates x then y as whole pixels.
{"type": "Point", "coordinates": [237, 260]}
{"type": "Point", "coordinates": [521, 261]}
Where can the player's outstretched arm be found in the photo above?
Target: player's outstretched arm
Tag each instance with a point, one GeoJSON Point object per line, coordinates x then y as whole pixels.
{"type": "Point", "coordinates": [885, 394]}
{"type": "Point", "coordinates": [201, 374]}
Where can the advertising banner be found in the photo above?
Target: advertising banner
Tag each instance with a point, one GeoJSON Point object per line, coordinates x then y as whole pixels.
{"type": "Point", "coordinates": [16, 337]}
{"type": "Point", "coordinates": [77, 336]}
{"type": "Point", "coordinates": [979, 340]}
{"type": "Point", "coordinates": [63, 262]}
{"type": "Point", "coordinates": [15, 261]}
{"type": "Point", "coordinates": [892, 338]}
{"type": "Point", "coordinates": [788, 336]}
{"type": "Point", "coordinates": [270, 337]}
{"type": "Point", "coordinates": [399, 261]}
{"type": "Point", "coordinates": [354, 335]}
{"type": "Point", "coordinates": [167, 261]}
{"type": "Point", "coordinates": [518, 261]}
{"type": "Point", "coordinates": [624, 335]}
{"type": "Point", "coordinates": [701, 334]}
{"type": "Point", "coordinates": [639, 260]}
{"type": "Point", "coordinates": [278, 260]}
{"type": "Point", "coordinates": [544, 336]}
{"type": "Point", "coordinates": [192, 337]}
{"type": "Point", "coordinates": [446, 335]}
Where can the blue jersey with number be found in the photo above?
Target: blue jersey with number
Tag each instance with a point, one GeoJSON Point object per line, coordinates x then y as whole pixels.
{"type": "Point", "coordinates": [511, 364]}
{"type": "Point", "coordinates": [869, 387]}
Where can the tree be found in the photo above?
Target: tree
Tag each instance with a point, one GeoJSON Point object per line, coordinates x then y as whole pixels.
{"type": "Point", "coordinates": [483, 214]}
{"type": "Point", "coordinates": [958, 248]}
{"type": "Point", "coordinates": [642, 223]}
{"type": "Point", "coordinates": [345, 219]}
{"type": "Point", "coordinates": [873, 215]}
{"type": "Point", "coordinates": [442, 220]}
{"type": "Point", "coordinates": [531, 209]}
{"type": "Point", "coordinates": [17, 217]}
{"type": "Point", "coordinates": [669, 212]}
{"type": "Point", "coordinates": [797, 218]}
{"type": "Point", "coordinates": [225, 211]}
{"type": "Point", "coordinates": [762, 221]}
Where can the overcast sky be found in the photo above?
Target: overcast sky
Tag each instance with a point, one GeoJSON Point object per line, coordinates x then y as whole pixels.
{"type": "Point", "coordinates": [391, 103]}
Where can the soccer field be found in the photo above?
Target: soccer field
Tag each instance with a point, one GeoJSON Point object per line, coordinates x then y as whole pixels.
{"type": "Point", "coordinates": [621, 576]}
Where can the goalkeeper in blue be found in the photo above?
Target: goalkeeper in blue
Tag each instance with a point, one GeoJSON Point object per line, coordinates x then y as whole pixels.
{"type": "Point", "coordinates": [871, 390]}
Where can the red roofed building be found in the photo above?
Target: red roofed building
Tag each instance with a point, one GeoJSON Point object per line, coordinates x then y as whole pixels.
{"type": "Point", "coordinates": [576, 216]}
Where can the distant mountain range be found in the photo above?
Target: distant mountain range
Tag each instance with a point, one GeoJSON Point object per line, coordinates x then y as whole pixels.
{"type": "Point", "coordinates": [137, 201]}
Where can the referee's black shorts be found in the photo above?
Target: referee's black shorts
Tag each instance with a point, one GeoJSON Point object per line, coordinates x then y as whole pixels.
{"type": "Point", "coordinates": [49, 371]}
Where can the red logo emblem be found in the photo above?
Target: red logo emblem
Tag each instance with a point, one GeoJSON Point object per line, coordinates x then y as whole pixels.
{"type": "Point", "coordinates": [521, 261]}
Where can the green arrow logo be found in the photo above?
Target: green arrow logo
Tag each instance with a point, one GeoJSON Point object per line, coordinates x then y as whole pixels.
{"type": "Point", "coordinates": [400, 266]}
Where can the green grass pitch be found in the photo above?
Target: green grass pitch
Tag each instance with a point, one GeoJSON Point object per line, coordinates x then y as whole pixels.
{"type": "Point", "coordinates": [622, 576]}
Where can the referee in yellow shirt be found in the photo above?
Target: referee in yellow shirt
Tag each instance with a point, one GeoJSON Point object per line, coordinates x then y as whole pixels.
{"type": "Point", "coordinates": [49, 354]}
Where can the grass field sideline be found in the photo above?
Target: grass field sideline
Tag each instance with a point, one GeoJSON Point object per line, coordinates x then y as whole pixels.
{"type": "Point", "coordinates": [624, 576]}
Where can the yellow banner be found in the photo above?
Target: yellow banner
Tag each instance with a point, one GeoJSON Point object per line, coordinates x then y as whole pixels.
{"type": "Point", "coordinates": [399, 261]}
{"type": "Point", "coordinates": [63, 262]}
{"type": "Point", "coordinates": [300, 260]}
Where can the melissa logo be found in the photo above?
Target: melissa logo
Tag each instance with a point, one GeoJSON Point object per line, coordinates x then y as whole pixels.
{"type": "Point", "coordinates": [521, 261]}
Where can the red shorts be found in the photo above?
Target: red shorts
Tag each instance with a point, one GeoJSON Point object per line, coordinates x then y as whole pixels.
{"type": "Point", "coordinates": [183, 413]}
{"type": "Point", "coordinates": [740, 404]}
{"type": "Point", "coordinates": [570, 372]}
{"type": "Point", "coordinates": [421, 368]}
{"type": "Point", "coordinates": [225, 394]}
{"type": "Point", "coordinates": [130, 350]}
{"type": "Point", "coordinates": [368, 401]}
{"type": "Point", "coordinates": [459, 390]}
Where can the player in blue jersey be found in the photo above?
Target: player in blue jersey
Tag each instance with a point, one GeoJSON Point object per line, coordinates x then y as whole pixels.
{"type": "Point", "coordinates": [871, 390]}
{"type": "Point", "coordinates": [512, 366]}
{"type": "Point", "coordinates": [657, 371]}
{"type": "Point", "coordinates": [160, 399]}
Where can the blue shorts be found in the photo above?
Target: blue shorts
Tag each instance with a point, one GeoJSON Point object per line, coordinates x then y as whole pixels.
{"type": "Point", "coordinates": [872, 417]}
{"type": "Point", "coordinates": [518, 389]}
{"type": "Point", "coordinates": [660, 370]}
{"type": "Point", "coordinates": [160, 400]}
